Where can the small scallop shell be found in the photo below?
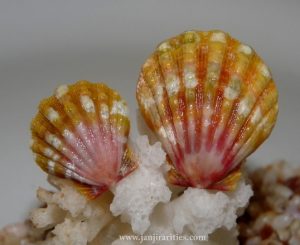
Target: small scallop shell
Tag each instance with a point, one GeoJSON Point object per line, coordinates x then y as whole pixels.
{"type": "Point", "coordinates": [211, 101]}
{"type": "Point", "coordinates": [81, 133]}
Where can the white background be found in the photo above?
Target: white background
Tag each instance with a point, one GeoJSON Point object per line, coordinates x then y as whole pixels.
{"type": "Point", "coordinates": [47, 43]}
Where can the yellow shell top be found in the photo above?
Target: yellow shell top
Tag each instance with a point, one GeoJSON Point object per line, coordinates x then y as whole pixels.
{"type": "Point", "coordinates": [211, 101]}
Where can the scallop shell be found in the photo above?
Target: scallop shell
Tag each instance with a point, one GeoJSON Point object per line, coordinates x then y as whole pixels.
{"type": "Point", "coordinates": [211, 101]}
{"type": "Point", "coordinates": [81, 133]}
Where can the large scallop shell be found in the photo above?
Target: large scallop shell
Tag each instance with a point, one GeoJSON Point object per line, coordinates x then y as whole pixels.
{"type": "Point", "coordinates": [81, 133]}
{"type": "Point", "coordinates": [211, 101]}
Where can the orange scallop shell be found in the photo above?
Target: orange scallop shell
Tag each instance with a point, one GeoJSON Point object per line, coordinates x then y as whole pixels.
{"type": "Point", "coordinates": [211, 101]}
{"type": "Point", "coordinates": [81, 133]}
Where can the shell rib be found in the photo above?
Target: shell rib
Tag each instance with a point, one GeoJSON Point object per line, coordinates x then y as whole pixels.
{"type": "Point", "coordinates": [211, 101]}
{"type": "Point", "coordinates": [81, 133]}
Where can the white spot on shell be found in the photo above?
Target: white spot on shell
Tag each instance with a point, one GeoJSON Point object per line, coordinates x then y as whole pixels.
{"type": "Point", "coordinates": [207, 112]}
{"type": "Point", "coordinates": [190, 80]}
{"type": "Point", "coordinates": [31, 142]}
{"type": "Point", "coordinates": [245, 49]}
{"type": "Point", "coordinates": [232, 91]}
{"type": "Point", "coordinates": [147, 63]}
{"type": "Point", "coordinates": [48, 152]}
{"type": "Point", "coordinates": [69, 135]}
{"type": "Point", "coordinates": [194, 34]}
{"type": "Point", "coordinates": [218, 37]}
{"type": "Point", "coordinates": [71, 166]}
{"type": "Point", "coordinates": [119, 107]}
{"type": "Point", "coordinates": [51, 154]}
{"type": "Point", "coordinates": [206, 122]}
{"type": "Point", "coordinates": [55, 157]}
{"type": "Point", "coordinates": [167, 133]}
{"type": "Point", "coordinates": [162, 132]}
{"type": "Point", "coordinates": [81, 179]}
{"type": "Point", "coordinates": [264, 123]}
{"type": "Point", "coordinates": [53, 140]}
{"type": "Point", "coordinates": [51, 166]}
{"type": "Point", "coordinates": [147, 102]}
{"type": "Point", "coordinates": [159, 93]}
{"type": "Point", "coordinates": [87, 103]}
{"type": "Point", "coordinates": [52, 115]}
{"type": "Point", "coordinates": [104, 111]}
{"type": "Point", "coordinates": [244, 107]}
{"type": "Point", "coordinates": [61, 91]}
{"type": "Point", "coordinates": [213, 72]}
{"type": "Point", "coordinates": [164, 46]}
{"type": "Point", "coordinates": [68, 173]}
{"type": "Point", "coordinates": [170, 134]}
{"type": "Point", "coordinates": [265, 71]}
{"type": "Point", "coordinates": [257, 115]}
{"type": "Point", "coordinates": [173, 86]}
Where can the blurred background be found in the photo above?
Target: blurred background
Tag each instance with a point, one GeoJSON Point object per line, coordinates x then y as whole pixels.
{"type": "Point", "coordinates": [47, 43]}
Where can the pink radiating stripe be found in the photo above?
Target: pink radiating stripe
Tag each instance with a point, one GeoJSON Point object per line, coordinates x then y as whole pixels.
{"type": "Point", "coordinates": [215, 120]}
{"type": "Point", "coordinates": [198, 118]}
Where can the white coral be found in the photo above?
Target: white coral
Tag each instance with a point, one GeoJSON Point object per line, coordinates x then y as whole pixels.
{"type": "Point", "coordinates": [75, 219]}
{"type": "Point", "coordinates": [202, 211]}
{"type": "Point", "coordinates": [138, 194]}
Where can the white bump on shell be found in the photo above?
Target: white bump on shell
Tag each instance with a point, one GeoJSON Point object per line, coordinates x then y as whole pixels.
{"type": "Point", "coordinates": [245, 49]}
{"type": "Point", "coordinates": [61, 91]}
{"type": "Point", "coordinates": [206, 122]}
{"type": "Point", "coordinates": [256, 116]}
{"type": "Point", "coordinates": [52, 115]}
{"type": "Point", "coordinates": [51, 166]}
{"type": "Point", "coordinates": [104, 111]}
{"type": "Point", "coordinates": [173, 86]}
{"type": "Point", "coordinates": [71, 166]}
{"type": "Point", "coordinates": [53, 140]}
{"type": "Point", "coordinates": [230, 93]}
{"type": "Point", "coordinates": [213, 72]}
{"type": "Point", "coordinates": [244, 107]}
{"type": "Point", "coordinates": [147, 102]}
{"type": "Point", "coordinates": [170, 134]}
{"type": "Point", "coordinates": [68, 135]}
{"type": "Point", "coordinates": [147, 63]}
{"type": "Point", "coordinates": [218, 37]}
{"type": "Point", "coordinates": [119, 107]}
{"type": "Point", "coordinates": [68, 173]}
{"type": "Point", "coordinates": [265, 71]}
{"type": "Point", "coordinates": [164, 46]}
{"type": "Point", "coordinates": [48, 152]}
{"type": "Point", "coordinates": [263, 122]}
{"type": "Point", "coordinates": [190, 80]}
{"type": "Point", "coordinates": [87, 103]}
{"type": "Point", "coordinates": [196, 35]}
{"type": "Point", "coordinates": [159, 92]}
{"type": "Point", "coordinates": [55, 157]}
{"type": "Point", "coordinates": [207, 112]}
{"type": "Point", "coordinates": [162, 132]}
